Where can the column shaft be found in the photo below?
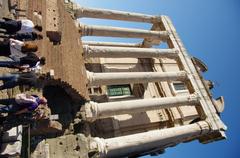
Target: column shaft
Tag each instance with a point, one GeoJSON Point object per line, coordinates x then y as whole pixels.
{"type": "Point", "coordinates": [94, 30]}
{"type": "Point", "coordinates": [123, 52]}
{"type": "Point", "coordinates": [143, 142]}
{"type": "Point", "coordinates": [96, 79]}
{"type": "Point", "coordinates": [80, 12]}
{"type": "Point", "coordinates": [111, 44]}
{"type": "Point", "coordinates": [103, 110]}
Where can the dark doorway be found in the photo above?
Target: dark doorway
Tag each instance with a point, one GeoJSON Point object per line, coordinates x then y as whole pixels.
{"type": "Point", "coordinates": [62, 104]}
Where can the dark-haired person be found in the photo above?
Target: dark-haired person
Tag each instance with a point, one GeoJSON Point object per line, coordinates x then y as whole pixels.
{"type": "Point", "coordinates": [31, 62]}
{"type": "Point", "coordinates": [27, 36]}
{"type": "Point", "coordinates": [11, 80]}
{"type": "Point", "coordinates": [22, 103]}
{"type": "Point", "coordinates": [16, 49]}
{"type": "Point", "coordinates": [18, 26]}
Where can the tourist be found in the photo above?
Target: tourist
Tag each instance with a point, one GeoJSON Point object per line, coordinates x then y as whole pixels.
{"type": "Point", "coordinates": [27, 36]}
{"type": "Point", "coordinates": [18, 26]}
{"type": "Point", "coordinates": [22, 103]}
{"type": "Point", "coordinates": [11, 80]}
{"type": "Point", "coordinates": [30, 62]}
{"type": "Point", "coordinates": [16, 49]}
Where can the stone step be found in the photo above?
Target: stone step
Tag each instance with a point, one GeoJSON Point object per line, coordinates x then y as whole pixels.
{"type": "Point", "coordinates": [12, 142]}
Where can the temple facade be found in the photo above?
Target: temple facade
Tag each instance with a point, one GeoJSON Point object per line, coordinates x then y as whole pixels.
{"type": "Point", "coordinates": [115, 99]}
{"type": "Point", "coordinates": [144, 97]}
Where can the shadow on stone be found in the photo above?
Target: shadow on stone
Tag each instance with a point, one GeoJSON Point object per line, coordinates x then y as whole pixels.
{"type": "Point", "coordinates": [62, 104]}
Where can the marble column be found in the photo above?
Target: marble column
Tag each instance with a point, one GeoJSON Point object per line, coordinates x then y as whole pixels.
{"type": "Point", "coordinates": [126, 52]}
{"type": "Point", "coordinates": [142, 142]}
{"type": "Point", "coordinates": [95, 30]}
{"type": "Point", "coordinates": [80, 12]}
{"type": "Point", "coordinates": [111, 44]}
{"type": "Point", "coordinates": [96, 79]}
{"type": "Point", "coordinates": [95, 110]}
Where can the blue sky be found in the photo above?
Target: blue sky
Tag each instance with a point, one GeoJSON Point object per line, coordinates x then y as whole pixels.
{"type": "Point", "coordinates": [209, 30]}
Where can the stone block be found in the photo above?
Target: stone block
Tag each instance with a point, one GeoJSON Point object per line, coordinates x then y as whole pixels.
{"type": "Point", "coordinates": [11, 149]}
{"type": "Point", "coordinates": [14, 134]}
{"type": "Point", "coordinates": [53, 21]}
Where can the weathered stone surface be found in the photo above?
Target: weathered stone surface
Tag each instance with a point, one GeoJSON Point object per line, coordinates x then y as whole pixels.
{"type": "Point", "coordinates": [70, 146]}
{"type": "Point", "coordinates": [60, 57]}
{"type": "Point", "coordinates": [53, 21]}
{"type": "Point", "coordinates": [46, 127]}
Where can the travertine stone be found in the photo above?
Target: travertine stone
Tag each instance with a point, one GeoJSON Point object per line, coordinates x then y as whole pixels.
{"type": "Point", "coordinates": [53, 21]}
{"type": "Point", "coordinates": [52, 18]}
{"type": "Point", "coordinates": [142, 142]}
{"type": "Point", "coordinates": [95, 111]}
{"type": "Point", "coordinates": [80, 12]}
{"type": "Point", "coordinates": [123, 52]}
{"type": "Point", "coordinates": [94, 30]}
{"type": "Point", "coordinates": [96, 79]}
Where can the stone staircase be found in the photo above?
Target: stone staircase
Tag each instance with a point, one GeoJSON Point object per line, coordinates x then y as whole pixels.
{"type": "Point", "coordinates": [11, 142]}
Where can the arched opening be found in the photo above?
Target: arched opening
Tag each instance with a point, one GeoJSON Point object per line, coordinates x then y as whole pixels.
{"type": "Point", "coordinates": [61, 104]}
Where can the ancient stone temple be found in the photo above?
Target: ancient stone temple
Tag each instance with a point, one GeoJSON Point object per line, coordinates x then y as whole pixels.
{"type": "Point", "coordinates": [130, 99]}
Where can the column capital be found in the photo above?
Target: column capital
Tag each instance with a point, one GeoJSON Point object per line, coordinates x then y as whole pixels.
{"type": "Point", "coordinates": [204, 126]}
{"type": "Point", "coordinates": [90, 111]}
{"type": "Point", "coordinates": [99, 145]}
{"type": "Point", "coordinates": [89, 77]}
{"type": "Point", "coordinates": [193, 97]}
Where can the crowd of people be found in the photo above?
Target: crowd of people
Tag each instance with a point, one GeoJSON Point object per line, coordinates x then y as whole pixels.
{"type": "Point", "coordinates": [17, 45]}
